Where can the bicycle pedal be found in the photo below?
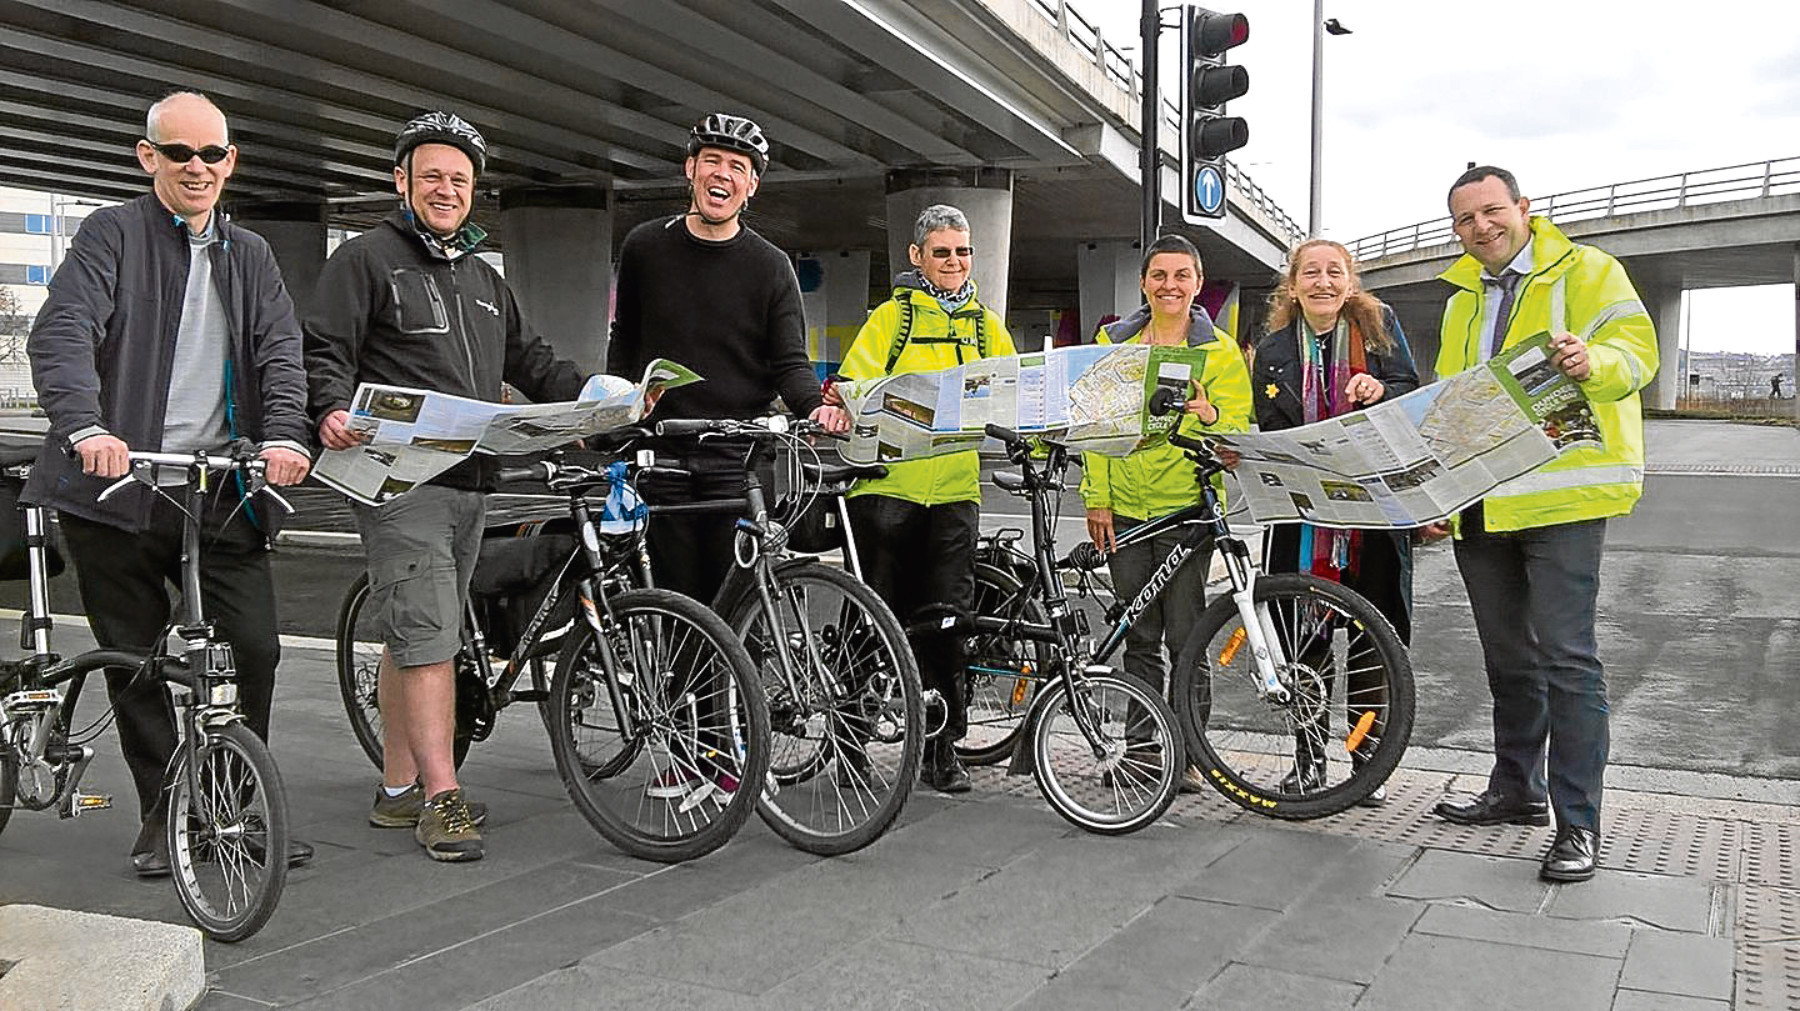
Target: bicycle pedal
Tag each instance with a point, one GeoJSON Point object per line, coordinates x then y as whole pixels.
{"type": "Point", "coordinates": [85, 803]}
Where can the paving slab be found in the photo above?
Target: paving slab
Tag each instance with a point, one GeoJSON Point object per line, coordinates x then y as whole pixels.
{"type": "Point", "coordinates": [883, 973]}
{"type": "Point", "coordinates": [1336, 937]}
{"type": "Point", "coordinates": [1494, 882]}
{"type": "Point", "coordinates": [1687, 965]}
{"type": "Point", "coordinates": [1606, 940]}
{"type": "Point", "coordinates": [1656, 900]}
{"type": "Point", "coordinates": [1640, 1000]}
{"type": "Point", "coordinates": [1453, 974]}
{"type": "Point", "coordinates": [1274, 872]}
{"type": "Point", "coordinates": [1158, 959]}
{"type": "Point", "coordinates": [1259, 988]}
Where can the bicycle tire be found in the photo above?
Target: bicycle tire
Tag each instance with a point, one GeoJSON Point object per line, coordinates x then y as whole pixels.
{"type": "Point", "coordinates": [1004, 674]}
{"type": "Point", "coordinates": [672, 645]}
{"type": "Point", "coordinates": [1134, 780]}
{"type": "Point", "coordinates": [9, 782]}
{"type": "Point", "coordinates": [1246, 747]}
{"type": "Point", "coordinates": [358, 667]}
{"type": "Point", "coordinates": [845, 753]}
{"type": "Point", "coordinates": [228, 841]}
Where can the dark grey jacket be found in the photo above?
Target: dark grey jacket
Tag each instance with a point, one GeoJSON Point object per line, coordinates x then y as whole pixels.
{"type": "Point", "coordinates": [104, 343]}
{"type": "Point", "coordinates": [391, 310]}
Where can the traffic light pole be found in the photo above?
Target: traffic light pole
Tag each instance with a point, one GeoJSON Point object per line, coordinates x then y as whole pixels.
{"type": "Point", "coordinates": [1149, 151]}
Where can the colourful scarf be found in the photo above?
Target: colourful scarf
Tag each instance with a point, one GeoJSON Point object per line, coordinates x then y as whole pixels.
{"type": "Point", "coordinates": [1324, 376]}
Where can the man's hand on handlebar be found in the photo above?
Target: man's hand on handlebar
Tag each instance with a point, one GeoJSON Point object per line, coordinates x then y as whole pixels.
{"type": "Point", "coordinates": [103, 456]}
{"type": "Point", "coordinates": [283, 466]}
{"type": "Point", "coordinates": [335, 431]}
{"type": "Point", "coordinates": [834, 420]}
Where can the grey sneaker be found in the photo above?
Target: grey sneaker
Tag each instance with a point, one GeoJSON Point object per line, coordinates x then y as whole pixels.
{"type": "Point", "coordinates": [403, 811]}
{"type": "Point", "coordinates": [446, 830]}
{"type": "Point", "coordinates": [1194, 781]}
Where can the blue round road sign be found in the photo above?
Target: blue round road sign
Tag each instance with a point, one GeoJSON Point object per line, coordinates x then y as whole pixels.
{"type": "Point", "coordinates": [1209, 190]}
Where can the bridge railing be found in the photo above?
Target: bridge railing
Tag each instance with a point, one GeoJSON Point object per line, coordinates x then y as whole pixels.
{"type": "Point", "coordinates": [1776, 177]}
{"type": "Point", "coordinates": [1121, 70]}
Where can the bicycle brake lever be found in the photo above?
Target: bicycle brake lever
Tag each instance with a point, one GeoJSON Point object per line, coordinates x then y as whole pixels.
{"type": "Point", "coordinates": [269, 490]}
{"type": "Point", "coordinates": [130, 477]}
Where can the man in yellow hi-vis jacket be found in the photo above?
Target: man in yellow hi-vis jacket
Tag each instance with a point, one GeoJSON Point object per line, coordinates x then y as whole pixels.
{"type": "Point", "coordinates": [916, 528]}
{"type": "Point", "coordinates": [1530, 552]}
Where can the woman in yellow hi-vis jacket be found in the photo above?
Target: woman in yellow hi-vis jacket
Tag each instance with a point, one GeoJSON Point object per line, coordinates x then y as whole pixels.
{"type": "Point", "coordinates": [1159, 479]}
{"type": "Point", "coordinates": [916, 528]}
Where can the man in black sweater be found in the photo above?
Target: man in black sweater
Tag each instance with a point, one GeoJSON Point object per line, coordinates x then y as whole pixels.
{"type": "Point", "coordinates": [703, 290]}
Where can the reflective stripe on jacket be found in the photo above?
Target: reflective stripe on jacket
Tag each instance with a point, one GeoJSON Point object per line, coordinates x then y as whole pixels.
{"type": "Point", "coordinates": [1586, 292]}
{"type": "Point", "coordinates": [1158, 479]}
{"type": "Point", "coordinates": [955, 477]}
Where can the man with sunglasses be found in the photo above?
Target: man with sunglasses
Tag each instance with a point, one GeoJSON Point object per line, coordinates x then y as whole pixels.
{"type": "Point", "coordinates": [916, 528]}
{"type": "Point", "coordinates": [702, 289]}
{"type": "Point", "coordinates": [168, 328]}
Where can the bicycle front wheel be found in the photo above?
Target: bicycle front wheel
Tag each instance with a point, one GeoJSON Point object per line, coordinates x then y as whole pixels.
{"type": "Point", "coordinates": [1108, 752]}
{"type": "Point", "coordinates": [1348, 713]}
{"type": "Point", "coordinates": [659, 727]}
{"type": "Point", "coordinates": [848, 730]}
{"type": "Point", "coordinates": [228, 833]}
{"type": "Point", "coordinates": [1004, 673]}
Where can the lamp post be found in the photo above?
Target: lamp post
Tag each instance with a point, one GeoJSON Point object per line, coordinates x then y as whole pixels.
{"type": "Point", "coordinates": [1321, 27]}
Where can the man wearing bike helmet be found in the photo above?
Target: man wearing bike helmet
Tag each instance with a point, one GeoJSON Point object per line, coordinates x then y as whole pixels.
{"type": "Point", "coordinates": [409, 305]}
{"type": "Point", "coordinates": [703, 289]}
{"type": "Point", "coordinates": [137, 348]}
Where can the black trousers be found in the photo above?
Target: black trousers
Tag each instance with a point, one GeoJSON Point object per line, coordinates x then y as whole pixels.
{"type": "Point", "coordinates": [125, 580]}
{"type": "Point", "coordinates": [921, 559]}
{"type": "Point", "coordinates": [692, 553]}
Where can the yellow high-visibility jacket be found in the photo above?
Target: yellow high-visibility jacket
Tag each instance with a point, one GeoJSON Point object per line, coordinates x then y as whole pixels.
{"type": "Point", "coordinates": [1584, 291]}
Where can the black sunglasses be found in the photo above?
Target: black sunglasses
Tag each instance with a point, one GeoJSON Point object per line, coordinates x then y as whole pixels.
{"type": "Point", "coordinates": [181, 154]}
{"type": "Point", "coordinates": [943, 252]}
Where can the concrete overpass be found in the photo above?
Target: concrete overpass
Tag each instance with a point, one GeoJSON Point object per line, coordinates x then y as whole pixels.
{"type": "Point", "coordinates": [1017, 110]}
{"type": "Point", "coordinates": [1725, 227]}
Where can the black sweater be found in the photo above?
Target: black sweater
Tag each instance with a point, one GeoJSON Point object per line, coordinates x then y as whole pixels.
{"type": "Point", "coordinates": [728, 310]}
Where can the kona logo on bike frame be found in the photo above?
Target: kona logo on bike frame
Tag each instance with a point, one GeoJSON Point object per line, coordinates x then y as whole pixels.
{"type": "Point", "coordinates": [1158, 579]}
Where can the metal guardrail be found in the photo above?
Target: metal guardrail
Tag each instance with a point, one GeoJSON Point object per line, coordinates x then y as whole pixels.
{"type": "Point", "coordinates": [1776, 177]}
{"type": "Point", "coordinates": [1119, 68]}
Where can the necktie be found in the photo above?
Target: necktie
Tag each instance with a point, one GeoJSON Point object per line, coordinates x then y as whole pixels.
{"type": "Point", "coordinates": [1508, 282]}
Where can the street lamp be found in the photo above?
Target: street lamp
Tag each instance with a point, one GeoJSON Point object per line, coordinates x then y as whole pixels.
{"type": "Point", "coordinates": [57, 234]}
{"type": "Point", "coordinates": [1321, 27]}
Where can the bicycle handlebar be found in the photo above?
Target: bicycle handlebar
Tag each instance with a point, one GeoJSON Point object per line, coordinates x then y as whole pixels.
{"type": "Point", "coordinates": [240, 460]}
{"type": "Point", "coordinates": [764, 427]}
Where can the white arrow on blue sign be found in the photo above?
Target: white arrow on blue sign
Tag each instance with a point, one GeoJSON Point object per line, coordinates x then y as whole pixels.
{"type": "Point", "coordinates": [1209, 190]}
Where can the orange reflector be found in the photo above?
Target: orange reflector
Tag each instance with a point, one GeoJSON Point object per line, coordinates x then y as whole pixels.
{"type": "Point", "coordinates": [1231, 647]}
{"type": "Point", "coordinates": [1360, 731]}
{"type": "Point", "coordinates": [1020, 687]}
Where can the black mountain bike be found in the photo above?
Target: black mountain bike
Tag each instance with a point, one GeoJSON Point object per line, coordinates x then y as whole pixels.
{"type": "Point", "coordinates": [655, 713]}
{"type": "Point", "coordinates": [1294, 694]}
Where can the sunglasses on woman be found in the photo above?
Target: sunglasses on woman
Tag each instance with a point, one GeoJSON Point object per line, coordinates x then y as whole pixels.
{"type": "Point", "coordinates": [945, 252]}
{"type": "Point", "coordinates": [181, 154]}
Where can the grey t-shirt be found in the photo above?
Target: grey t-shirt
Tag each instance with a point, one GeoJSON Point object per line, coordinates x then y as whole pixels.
{"type": "Point", "coordinates": [195, 418]}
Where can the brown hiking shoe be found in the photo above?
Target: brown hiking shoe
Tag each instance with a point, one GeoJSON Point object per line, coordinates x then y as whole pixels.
{"type": "Point", "coordinates": [446, 830]}
{"type": "Point", "coordinates": [403, 811]}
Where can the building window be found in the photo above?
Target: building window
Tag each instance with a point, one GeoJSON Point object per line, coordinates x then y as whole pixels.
{"type": "Point", "coordinates": [37, 224]}
{"type": "Point", "coordinates": [37, 273]}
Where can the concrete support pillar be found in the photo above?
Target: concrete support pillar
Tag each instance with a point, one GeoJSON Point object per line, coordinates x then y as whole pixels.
{"type": "Point", "coordinates": [1794, 363]}
{"type": "Point", "coordinates": [984, 195]}
{"type": "Point", "coordinates": [296, 234]}
{"type": "Point", "coordinates": [1107, 276]}
{"type": "Point", "coordinates": [559, 264]}
{"type": "Point", "coordinates": [1664, 304]}
{"type": "Point", "coordinates": [834, 289]}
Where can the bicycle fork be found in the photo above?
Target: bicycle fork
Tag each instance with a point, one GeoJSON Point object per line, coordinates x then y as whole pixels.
{"type": "Point", "coordinates": [1258, 625]}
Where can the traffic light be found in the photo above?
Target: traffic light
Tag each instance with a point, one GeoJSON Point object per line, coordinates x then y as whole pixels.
{"type": "Point", "coordinates": [1207, 134]}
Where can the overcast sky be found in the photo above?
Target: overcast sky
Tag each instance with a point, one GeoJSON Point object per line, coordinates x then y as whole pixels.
{"type": "Point", "coordinates": [1566, 93]}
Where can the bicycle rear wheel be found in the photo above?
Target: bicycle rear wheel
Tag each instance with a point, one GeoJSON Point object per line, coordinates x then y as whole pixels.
{"type": "Point", "coordinates": [359, 674]}
{"type": "Point", "coordinates": [1004, 673]}
{"type": "Point", "coordinates": [228, 833]}
{"type": "Point", "coordinates": [667, 768]}
{"type": "Point", "coordinates": [1123, 776]}
{"type": "Point", "coordinates": [1347, 722]}
{"type": "Point", "coordinates": [848, 736]}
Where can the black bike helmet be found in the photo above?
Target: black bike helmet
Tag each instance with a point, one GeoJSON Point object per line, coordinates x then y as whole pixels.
{"type": "Point", "coordinates": [731, 133]}
{"type": "Point", "coordinates": [441, 128]}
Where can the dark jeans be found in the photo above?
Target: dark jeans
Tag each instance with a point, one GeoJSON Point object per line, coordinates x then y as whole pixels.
{"type": "Point", "coordinates": [1534, 594]}
{"type": "Point", "coordinates": [921, 560]}
{"type": "Point", "coordinates": [1170, 618]}
{"type": "Point", "coordinates": [125, 580]}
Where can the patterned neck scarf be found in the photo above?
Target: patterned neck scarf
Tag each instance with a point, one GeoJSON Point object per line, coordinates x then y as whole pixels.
{"type": "Point", "coordinates": [1327, 361]}
{"type": "Point", "coordinates": [452, 247]}
{"type": "Point", "coordinates": [949, 301]}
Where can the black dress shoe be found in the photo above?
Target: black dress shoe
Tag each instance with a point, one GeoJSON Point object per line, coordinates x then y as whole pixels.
{"type": "Point", "coordinates": [152, 863]}
{"type": "Point", "coordinates": [1489, 808]}
{"type": "Point", "coordinates": [299, 852]}
{"type": "Point", "coordinates": [1571, 856]}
